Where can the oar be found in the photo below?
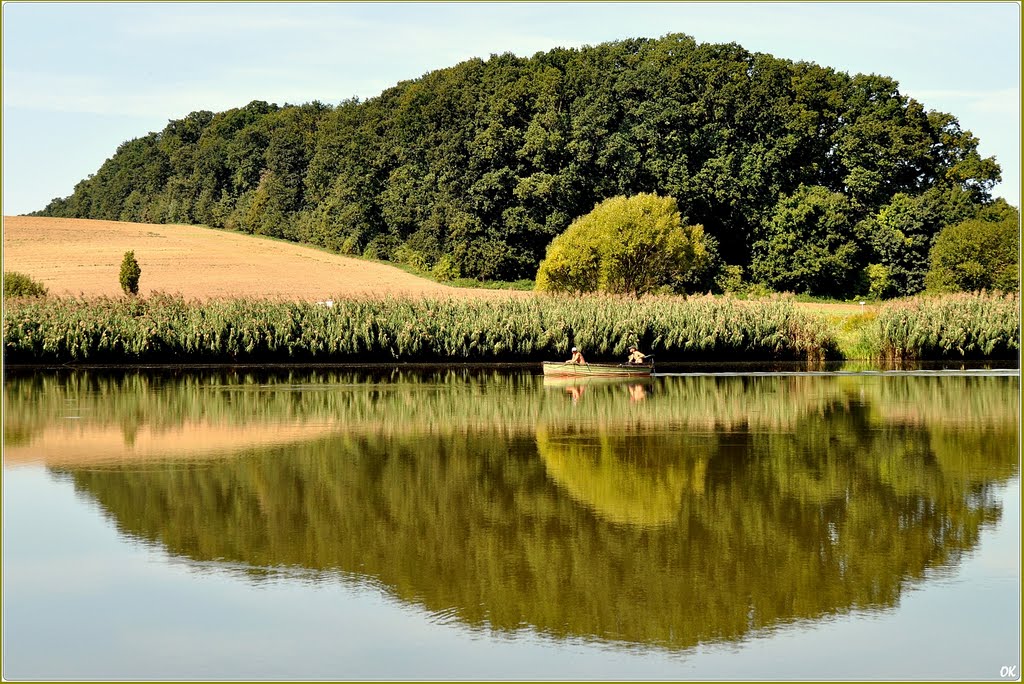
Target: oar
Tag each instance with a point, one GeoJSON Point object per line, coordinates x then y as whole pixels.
{"type": "Point", "coordinates": [585, 363]}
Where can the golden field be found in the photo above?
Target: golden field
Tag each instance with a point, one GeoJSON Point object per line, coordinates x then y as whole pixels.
{"type": "Point", "coordinates": [82, 257]}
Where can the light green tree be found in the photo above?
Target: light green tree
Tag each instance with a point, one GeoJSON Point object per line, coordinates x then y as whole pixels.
{"type": "Point", "coordinates": [627, 245]}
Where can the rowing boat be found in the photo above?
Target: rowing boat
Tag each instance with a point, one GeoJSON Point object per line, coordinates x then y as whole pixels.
{"type": "Point", "coordinates": [559, 369]}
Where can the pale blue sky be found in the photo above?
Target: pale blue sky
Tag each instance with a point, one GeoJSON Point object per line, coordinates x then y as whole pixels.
{"type": "Point", "coordinates": [81, 78]}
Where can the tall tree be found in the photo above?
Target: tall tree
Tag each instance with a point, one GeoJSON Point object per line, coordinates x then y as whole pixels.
{"type": "Point", "coordinates": [808, 245]}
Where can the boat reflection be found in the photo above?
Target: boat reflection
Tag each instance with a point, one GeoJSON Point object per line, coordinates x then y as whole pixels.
{"type": "Point", "coordinates": [636, 388]}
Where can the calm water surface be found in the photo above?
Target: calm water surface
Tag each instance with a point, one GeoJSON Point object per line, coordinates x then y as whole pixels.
{"type": "Point", "coordinates": [357, 524]}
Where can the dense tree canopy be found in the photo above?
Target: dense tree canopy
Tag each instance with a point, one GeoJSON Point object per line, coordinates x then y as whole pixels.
{"type": "Point", "coordinates": [472, 170]}
{"type": "Point", "coordinates": [901, 233]}
{"type": "Point", "coordinates": [808, 244]}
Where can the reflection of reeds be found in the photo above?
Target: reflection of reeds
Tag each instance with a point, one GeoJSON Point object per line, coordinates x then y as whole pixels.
{"type": "Point", "coordinates": [168, 329]}
{"type": "Point", "coordinates": [402, 403]}
{"type": "Point", "coordinates": [443, 402]}
{"type": "Point", "coordinates": [931, 400]}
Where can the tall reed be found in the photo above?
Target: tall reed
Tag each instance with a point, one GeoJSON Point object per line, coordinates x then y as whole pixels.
{"type": "Point", "coordinates": [168, 329]}
{"type": "Point", "coordinates": [960, 326]}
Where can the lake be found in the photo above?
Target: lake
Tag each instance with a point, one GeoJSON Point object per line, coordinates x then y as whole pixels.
{"type": "Point", "coordinates": [412, 523]}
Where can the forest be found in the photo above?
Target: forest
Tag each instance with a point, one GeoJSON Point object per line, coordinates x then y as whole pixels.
{"type": "Point", "coordinates": [804, 178]}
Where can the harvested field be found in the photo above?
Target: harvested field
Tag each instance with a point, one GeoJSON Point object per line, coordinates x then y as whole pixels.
{"type": "Point", "coordinates": [82, 257]}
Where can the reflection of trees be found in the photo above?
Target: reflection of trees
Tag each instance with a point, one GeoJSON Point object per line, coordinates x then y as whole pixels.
{"type": "Point", "coordinates": [627, 478]}
{"type": "Point", "coordinates": [599, 525]}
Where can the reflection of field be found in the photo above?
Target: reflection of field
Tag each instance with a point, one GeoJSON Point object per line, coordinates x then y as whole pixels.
{"type": "Point", "coordinates": [76, 445]}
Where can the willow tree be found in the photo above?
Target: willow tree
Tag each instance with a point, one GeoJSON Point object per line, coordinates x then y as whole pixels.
{"type": "Point", "coordinates": [627, 245]}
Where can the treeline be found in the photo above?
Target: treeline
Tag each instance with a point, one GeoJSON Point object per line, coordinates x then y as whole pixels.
{"type": "Point", "coordinates": [806, 179]}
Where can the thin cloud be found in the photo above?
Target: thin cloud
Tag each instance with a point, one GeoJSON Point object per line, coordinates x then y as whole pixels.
{"type": "Point", "coordinates": [93, 95]}
{"type": "Point", "coordinates": [201, 25]}
{"type": "Point", "coordinates": [1001, 101]}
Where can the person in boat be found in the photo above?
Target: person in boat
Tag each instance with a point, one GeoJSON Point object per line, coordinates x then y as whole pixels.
{"type": "Point", "coordinates": [636, 357]}
{"type": "Point", "coordinates": [577, 356]}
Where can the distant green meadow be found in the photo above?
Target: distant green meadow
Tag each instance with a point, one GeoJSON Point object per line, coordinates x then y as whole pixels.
{"type": "Point", "coordinates": [168, 329]}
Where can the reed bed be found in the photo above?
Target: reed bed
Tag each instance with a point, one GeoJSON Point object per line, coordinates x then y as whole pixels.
{"type": "Point", "coordinates": [168, 329]}
{"type": "Point", "coordinates": [402, 403]}
{"type": "Point", "coordinates": [962, 326]}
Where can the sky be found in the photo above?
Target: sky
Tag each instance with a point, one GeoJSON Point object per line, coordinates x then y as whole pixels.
{"type": "Point", "coordinates": [79, 79]}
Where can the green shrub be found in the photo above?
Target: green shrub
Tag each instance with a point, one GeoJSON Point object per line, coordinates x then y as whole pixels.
{"type": "Point", "coordinates": [627, 245]}
{"type": "Point", "coordinates": [880, 282]}
{"type": "Point", "coordinates": [412, 257]}
{"type": "Point", "coordinates": [350, 246]}
{"type": "Point", "coordinates": [758, 291]}
{"type": "Point", "coordinates": [446, 268]}
{"type": "Point", "coordinates": [730, 279]}
{"type": "Point", "coordinates": [130, 273]}
{"type": "Point", "coordinates": [382, 248]}
{"type": "Point", "coordinates": [20, 285]}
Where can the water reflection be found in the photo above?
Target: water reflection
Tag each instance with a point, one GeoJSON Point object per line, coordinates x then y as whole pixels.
{"type": "Point", "coordinates": [699, 509]}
